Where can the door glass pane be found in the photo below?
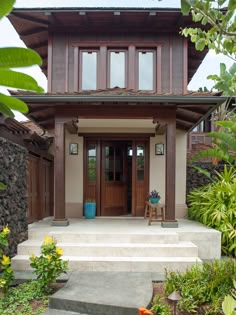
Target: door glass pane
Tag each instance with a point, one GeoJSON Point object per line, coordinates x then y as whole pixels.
{"type": "Point", "coordinates": [92, 150]}
{"type": "Point", "coordinates": [109, 164]}
{"type": "Point", "coordinates": [89, 70]}
{"type": "Point", "coordinates": [119, 165]}
{"type": "Point", "coordinates": [92, 175]}
{"type": "Point", "coordinates": [130, 151]}
{"type": "Point", "coordinates": [145, 70]}
{"type": "Point", "coordinates": [118, 176]}
{"type": "Point", "coordinates": [117, 69]}
{"type": "Point", "coordinates": [91, 162]}
{"type": "Point", "coordinates": [140, 162]}
{"type": "Point", "coordinates": [109, 151]}
{"type": "Point", "coordinates": [140, 150]}
{"type": "Point", "coordinates": [109, 176]}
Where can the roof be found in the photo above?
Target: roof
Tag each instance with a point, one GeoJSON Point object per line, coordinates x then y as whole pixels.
{"type": "Point", "coordinates": [191, 108]}
{"type": "Point", "coordinates": [34, 24]}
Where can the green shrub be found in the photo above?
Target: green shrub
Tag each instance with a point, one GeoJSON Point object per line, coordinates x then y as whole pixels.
{"type": "Point", "coordinates": [215, 206]}
{"type": "Point", "coordinates": [203, 286]}
{"type": "Point", "coordinates": [7, 274]}
{"type": "Point", "coordinates": [49, 265]}
{"type": "Point", "coordinates": [159, 308]}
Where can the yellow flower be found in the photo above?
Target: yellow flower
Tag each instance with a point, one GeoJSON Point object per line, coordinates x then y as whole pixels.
{"type": "Point", "coordinates": [59, 251]}
{"type": "Point", "coordinates": [6, 230]}
{"type": "Point", "coordinates": [5, 260]}
{"type": "Point", "coordinates": [48, 240]}
{"type": "Point", "coordinates": [48, 257]}
{"type": "Point", "coordinates": [2, 283]}
{"type": "Point", "coordinates": [33, 257]}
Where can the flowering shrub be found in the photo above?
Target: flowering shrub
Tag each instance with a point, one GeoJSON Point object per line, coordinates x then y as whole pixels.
{"type": "Point", "coordinates": [7, 274]}
{"type": "Point", "coordinates": [49, 265]}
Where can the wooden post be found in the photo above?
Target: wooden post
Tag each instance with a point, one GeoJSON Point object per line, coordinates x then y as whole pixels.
{"type": "Point", "coordinates": [170, 220]}
{"type": "Point", "coordinates": [59, 173]}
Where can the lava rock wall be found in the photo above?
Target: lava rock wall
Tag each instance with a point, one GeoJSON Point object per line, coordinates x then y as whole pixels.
{"type": "Point", "coordinates": [14, 199]}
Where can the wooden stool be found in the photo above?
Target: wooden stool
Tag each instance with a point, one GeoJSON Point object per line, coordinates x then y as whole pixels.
{"type": "Point", "coordinates": [154, 211]}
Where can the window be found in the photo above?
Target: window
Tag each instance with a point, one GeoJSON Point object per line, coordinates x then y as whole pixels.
{"type": "Point", "coordinates": [145, 70]}
{"type": "Point", "coordinates": [91, 163]}
{"type": "Point", "coordinates": [89, 70]}
{"type": "Point", "coordinates": [140, 159]}
{"type": "Point", "coordinates": [117, 69]}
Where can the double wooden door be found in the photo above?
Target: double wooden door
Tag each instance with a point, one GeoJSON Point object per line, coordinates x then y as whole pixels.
{"type": "Point", "coordinates": [117, 176]}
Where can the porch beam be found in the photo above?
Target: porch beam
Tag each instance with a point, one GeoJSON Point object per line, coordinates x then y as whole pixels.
{"type": "Point", "coordinates": [170, 219]}
{"type": "Point", "coordinates": [59, 173]}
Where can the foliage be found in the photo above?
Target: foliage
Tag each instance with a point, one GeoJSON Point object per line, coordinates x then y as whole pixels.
{"type": "Point", "coordinates": [203, 286]}
{"type": "Point", "coordinates": [49, 265]}
{"type": "Point", "coordinates": [19, 300]}
{"type": "Point", "coordinates": [159, 308]}
{"type": "Point", "coordinates": [229, 303]}
{"type": "Point", "coordinates": [6, 275]}
{"type": "Point", "coordinates": [15, 57]}
{"type": "Point", "coordinates": [215, 206]}
{"type": "Point", "coordinates": [217, 32]}
{"type": "Point", "coordinates": [224, 142]}
{"type": "Point", "coordinates": [154, 194]}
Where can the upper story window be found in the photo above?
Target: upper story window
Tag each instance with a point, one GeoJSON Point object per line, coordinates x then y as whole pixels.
{"type": "Point", "coordinates": [146, 73]}
{"type": "Point", "coordinates": [88, 74]}
{"type": "Point", "coordinates": [117, 69]}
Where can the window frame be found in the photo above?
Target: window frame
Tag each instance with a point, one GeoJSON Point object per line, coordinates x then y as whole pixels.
{"type": "Point", "coordinates": [108, 57]}
{"type": "Point", "coordinates": [145, 50]}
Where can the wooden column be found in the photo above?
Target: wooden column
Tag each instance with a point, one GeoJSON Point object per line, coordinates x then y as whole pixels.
{"type": "Point", "coordinates": [170, 219]}
{"type": "Point", "coordinates": [59, 173]}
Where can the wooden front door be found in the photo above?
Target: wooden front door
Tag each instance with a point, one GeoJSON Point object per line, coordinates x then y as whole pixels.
{"type": "Point", "coordinates": [113, 179]}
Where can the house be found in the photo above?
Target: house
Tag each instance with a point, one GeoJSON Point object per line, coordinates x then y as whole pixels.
{"type": "Point", "coordinates": [117, 93]}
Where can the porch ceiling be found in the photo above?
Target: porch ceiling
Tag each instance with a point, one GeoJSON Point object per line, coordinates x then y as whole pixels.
{"type": "Point", "coordinates": [116, 104]}
{"type": "Point", "coordinates": [33, 26]}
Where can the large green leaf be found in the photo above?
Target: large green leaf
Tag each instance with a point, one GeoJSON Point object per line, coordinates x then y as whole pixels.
{"type": "Point", "coordinates": [6, 7]}
{"type": "Point", "coordinates": [229, 305]}
{"type": "Point", "coordinates": [211, 153]}
{"type": "Point", "coordinates": [18, 80]}
{"type": "Point", "coordinates": [226, 138]}
{"type": "Point", "coordinates": [14, 57]}
{"type": "Point", "coordinates": [6, 110]}
{"type": "Point", "coordinates": [13, 103]}
{"type": "Point", "coordinates": [185, 7]}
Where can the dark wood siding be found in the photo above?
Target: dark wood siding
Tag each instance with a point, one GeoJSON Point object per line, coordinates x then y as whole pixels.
{"type": "Point", "coordinates": [64, 63]}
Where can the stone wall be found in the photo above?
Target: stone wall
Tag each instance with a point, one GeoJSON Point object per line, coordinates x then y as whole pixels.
{"type": "Point", "coordinates": [13, 200]}
{"type": "Point", "coordinates": [196, 179]}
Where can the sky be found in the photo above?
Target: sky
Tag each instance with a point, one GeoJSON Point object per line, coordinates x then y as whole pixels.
{"type": "Point", "coordinates": [9, 37]}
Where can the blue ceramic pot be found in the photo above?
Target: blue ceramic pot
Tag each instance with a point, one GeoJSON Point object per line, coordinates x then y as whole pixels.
{"type": "Point", "coordinates": [89, 210]}
{"type": "Point", "coordinates": [154, 200]}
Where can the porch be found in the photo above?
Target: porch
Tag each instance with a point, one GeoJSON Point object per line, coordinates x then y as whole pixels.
{"type": "Point", "coordinates": [123, 244]}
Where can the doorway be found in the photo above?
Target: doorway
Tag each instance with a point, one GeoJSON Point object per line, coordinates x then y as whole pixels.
{"type": "Point", "coordinates": [117, 175]}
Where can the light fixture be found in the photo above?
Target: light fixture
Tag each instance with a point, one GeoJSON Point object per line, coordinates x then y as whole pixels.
{"type": "Point", "coordinates": [159, 148]}
{"type": "Point", "coordinates": [175, 297]}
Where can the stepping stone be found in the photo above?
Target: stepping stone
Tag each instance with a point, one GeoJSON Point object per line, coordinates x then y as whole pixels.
{"type": "Point", "coordinates": [103, 293]}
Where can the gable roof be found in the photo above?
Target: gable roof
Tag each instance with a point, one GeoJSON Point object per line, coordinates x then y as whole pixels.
{"type": "Point", "coordinates": [34, 24]}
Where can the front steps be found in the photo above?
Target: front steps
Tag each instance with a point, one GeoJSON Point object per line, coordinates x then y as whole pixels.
{"type": "Point", "coordinates": [123, 252]}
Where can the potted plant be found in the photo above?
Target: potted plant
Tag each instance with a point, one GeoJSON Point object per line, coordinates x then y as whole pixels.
{"type": "Point", "coordinates": [154, 196]}
{"type": "Point", "coordinates": [90, 208]}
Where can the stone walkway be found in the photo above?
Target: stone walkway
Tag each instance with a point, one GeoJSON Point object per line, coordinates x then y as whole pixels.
{"type": "Point", "coordinates": [103, 293]}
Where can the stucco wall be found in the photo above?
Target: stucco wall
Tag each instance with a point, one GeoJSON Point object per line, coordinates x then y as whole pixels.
{"type": "Point", "coordinates": [157, 171]}
{"type": "Point", "coordinates": [74, 170]}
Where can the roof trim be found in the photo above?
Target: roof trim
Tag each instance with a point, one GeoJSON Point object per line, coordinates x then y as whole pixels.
{"type": "Point", "coordinates": [121, 98]}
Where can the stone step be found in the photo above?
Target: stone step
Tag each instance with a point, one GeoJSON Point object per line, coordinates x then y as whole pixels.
{"type": "Point", "coordinates": [127, 264]}
{"type": "Point", "coordinates": [128, 237]}
{"type": "Point", "coordinates": [181, 249]}
{"type": "Point", "coordinates": [57, 312]}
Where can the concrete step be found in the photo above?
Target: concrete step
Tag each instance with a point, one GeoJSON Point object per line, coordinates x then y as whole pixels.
{"type": "Point", "coordinates": [181, 249]}
{"type": "Point", "coordinates": [127, 264]}
{"type": "Point", "coordinates": [128, 237]}
{"type": "Point", "coordinates": [57, 312]}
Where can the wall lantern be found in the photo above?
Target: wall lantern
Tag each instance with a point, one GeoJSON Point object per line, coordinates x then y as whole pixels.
{"type": "Point", "coordinates": [159, 148]}
{"type": "Point", "coordinates": [175, 297]}
{"type": "Point", "coordinates": [73, 149]}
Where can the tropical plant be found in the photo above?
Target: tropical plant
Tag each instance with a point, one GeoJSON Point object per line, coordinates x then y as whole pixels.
{"type": "Point", "coordinates": [229, 303]}
{"type": "Point", "coordinates": [49, 265]}
{"type": "Point", "coordinates": [202, 287]}
{"type": "Point", "coordinates": [7, 274]}
{"type": "Point", "coordinates": [15, 57]}
{"type": "Point", "coordinates": [224, 142]}
{"type": "Point", "coordinates": [215, 206]}
{"type": "Point", "coordinates": [217, 32]}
